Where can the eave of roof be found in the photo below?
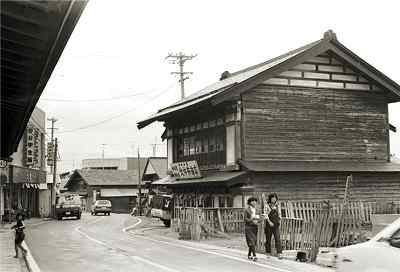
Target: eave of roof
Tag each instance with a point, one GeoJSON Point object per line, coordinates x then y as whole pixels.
{"type": "Point", "coordinates": [214, 178]}
{"type": "Point", "coordinates": [231, 87]}
{"type": "Point", "coordinates": [33, 37]}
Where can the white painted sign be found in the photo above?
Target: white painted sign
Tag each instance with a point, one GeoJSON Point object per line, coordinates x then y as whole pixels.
{"type": "Point", "coordinates": [186, 170]}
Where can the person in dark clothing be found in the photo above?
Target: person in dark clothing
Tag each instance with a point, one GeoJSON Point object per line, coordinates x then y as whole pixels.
{"type": "Point", "coordinates": [273, 218]}
{"type": "Point", "coordinates": [19, 235]}
{"type": "Point", "coordinates": [251, 220]}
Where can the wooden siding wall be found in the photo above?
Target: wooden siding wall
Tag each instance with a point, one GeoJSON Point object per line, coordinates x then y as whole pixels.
{"type": "Point", "coordinates": [314, 122]}
{"type": "Point", "coordinates": [325, 71]}
{"type": "Point", "coordinates": [329, 186]}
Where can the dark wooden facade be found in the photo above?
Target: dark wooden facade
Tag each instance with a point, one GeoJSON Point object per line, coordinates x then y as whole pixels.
{"type": "Point", "coordinates": [319, 103]}
{"type": "Point", "coordinates": [319, 110]}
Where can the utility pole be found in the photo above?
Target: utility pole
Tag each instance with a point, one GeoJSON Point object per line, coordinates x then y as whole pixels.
{"type": "Point", "coordinates": [139, 184]}
{"type": "Point", "coordinates": [53, 168]}
{"type": "Point", "coordinates": [180, 59]}
{"type": "Point", "coordinates": [102, 155]}
{"type": "Point", "coordinates": [52, 128]}
{"type": "Point", "coordinates": [155, 147]}
{"type": "Point", "coordinates": [53, 193]}
{"type": "Point", "coordinates": [52, 120]}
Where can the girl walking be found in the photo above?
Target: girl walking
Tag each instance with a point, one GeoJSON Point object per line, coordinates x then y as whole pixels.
{"type": "Point", "coordinates": [251, 227]}
{"type": "Point", "coordinates": [19, 235]}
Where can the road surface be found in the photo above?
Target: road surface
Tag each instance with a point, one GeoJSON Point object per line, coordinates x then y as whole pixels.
{"type": "Point", "coordinates": [114, 243]}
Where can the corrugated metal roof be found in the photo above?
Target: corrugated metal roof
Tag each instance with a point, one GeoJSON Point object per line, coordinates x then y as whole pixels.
{"type": "Point", "coordinates": [237, 82]}
{"type": "Point", "coordinates": [208, 178]}
{"type": "Point", "coordinates": [222, 85]}
{"type": "Point", "coordinates": [319, 166]}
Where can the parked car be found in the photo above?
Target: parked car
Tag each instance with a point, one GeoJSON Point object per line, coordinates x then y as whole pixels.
{"type": "Point", "coordinates": [381, 253]}
{"type": "Point", "coordinates": [161, 207]}
{"type": "Point", "coordinates": [69, 205]}
{"type": "Point", "coordinates": [102, 206]}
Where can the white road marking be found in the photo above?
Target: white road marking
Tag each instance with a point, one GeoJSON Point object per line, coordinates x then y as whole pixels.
{"type": "Point", "coordinates": [137, 258]}
{"type": "Point", "coordinates": [132, 226]}
{"type": "Point", "coordinates": [202, 250]}
{"type": "Point", "coordinates": [33, 266]}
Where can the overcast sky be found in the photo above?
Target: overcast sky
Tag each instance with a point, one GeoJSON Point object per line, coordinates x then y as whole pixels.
{"type": "Point", "coordinates": [118, 49]}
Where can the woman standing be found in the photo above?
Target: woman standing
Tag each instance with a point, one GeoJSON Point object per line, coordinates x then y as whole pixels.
{"type": "Point", "coordinates": [19, 235]}
{"type": "Point", "coordinates": [273, 219]}
{"type": "Point", "coordinates": [251, 227]}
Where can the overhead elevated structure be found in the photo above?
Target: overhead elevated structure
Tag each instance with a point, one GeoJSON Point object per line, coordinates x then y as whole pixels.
{"type": "Point", "coordinates": [33, 36]}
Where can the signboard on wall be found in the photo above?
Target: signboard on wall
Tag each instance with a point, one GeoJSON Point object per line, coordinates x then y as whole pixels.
{"type": "Point", "coordinates": [186, 170]}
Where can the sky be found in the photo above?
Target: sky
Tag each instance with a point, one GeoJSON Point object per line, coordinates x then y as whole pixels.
{"type": "Point", "coordinates": [116, 56]}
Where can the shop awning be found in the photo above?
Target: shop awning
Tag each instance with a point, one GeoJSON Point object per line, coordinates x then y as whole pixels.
{"type": "Point", "coordinates": [215, 177]}
{"type": "Point", "coordinates": [319, 166]}
{"type": "Point", "coordinates": [112, 192]}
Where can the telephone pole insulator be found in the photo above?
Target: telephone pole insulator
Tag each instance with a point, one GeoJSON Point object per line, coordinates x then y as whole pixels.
{"type": "Point", "coordinates": [180, 59]}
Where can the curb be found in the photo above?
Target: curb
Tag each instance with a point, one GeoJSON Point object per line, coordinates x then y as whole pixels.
{"type": "Point", "coordinates": [29, 260]}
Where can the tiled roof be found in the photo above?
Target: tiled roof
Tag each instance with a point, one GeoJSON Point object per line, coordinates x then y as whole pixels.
{"type": "Point", "coordinates": [107, 177]}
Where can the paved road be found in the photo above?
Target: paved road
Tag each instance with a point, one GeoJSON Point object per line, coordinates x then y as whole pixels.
{"type": "Point", "coordinates": [102, 243]}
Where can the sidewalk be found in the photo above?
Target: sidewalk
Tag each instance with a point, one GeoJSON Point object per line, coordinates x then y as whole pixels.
{"type": "Point", "coordinates": [7, 261]}
{"type": "Point", "coordinates": [7, 252]}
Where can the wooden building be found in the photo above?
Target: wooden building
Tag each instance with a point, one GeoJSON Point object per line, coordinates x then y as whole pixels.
{"type": "Point", "coordinates": [298, 125]}
{"type": "Point", "coordinates": [118, 186]}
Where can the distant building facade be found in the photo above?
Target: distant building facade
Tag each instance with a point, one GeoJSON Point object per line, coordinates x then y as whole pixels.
{"type": "Point", "coordinates": [118, 186]}
{"type": "Point", "coordinates": [127, 163]}
{"type": "Point", "coordinates": [24, 185]}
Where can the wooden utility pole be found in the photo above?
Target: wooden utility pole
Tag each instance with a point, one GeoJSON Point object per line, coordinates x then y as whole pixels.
{"type": "Point", "coordinates": [102, 156]}
{"type": "Point", "coordinates": [180, 59]}
{"type": "Point", "coordinates": [53, 193]}
{"type": "Point", "coordinates": [139, 184]}
{"type": "Point", "coordinates": [155, 147]}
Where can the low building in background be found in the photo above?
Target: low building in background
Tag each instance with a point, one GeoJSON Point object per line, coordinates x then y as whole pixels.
{"type": "Point", "coordinates": [155, 169]}
{"type": "Point", "coordinates": [118, 186]}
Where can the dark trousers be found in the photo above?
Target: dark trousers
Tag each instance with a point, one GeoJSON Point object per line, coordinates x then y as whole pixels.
{"type": "Point", "coordinates": [269, 231]}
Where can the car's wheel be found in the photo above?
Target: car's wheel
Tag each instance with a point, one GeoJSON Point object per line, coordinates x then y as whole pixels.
{"type": "Point", "coordinates": [109, 214]}
{"type": "Point", "coordinates": [78, 216]}
{"type": "Point", "coordinates": [59, 217]}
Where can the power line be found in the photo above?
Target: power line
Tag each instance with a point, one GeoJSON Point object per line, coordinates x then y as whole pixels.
{"type": "Point", "coordinates": [117, 115]}
{"type": "Point", "coordinates": [180, 59]}
{"type": "Point", "coordinates": [95, 100]}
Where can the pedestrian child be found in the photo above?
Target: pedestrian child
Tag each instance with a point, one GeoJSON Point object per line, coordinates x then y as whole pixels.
{"type": "Point", "coordinates": [273, 219]}
{"type": "Point", "coordinates": [251, 227]}
{"type": "Point", "coordinates": [19, 235]}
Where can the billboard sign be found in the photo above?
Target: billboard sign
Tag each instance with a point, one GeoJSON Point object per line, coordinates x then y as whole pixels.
{"type": "Point", "coordinates": [186, 170]}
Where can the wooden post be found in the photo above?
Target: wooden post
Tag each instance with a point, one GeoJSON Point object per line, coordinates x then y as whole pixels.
{"type": "Point", "coordinates": [220, 223]}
